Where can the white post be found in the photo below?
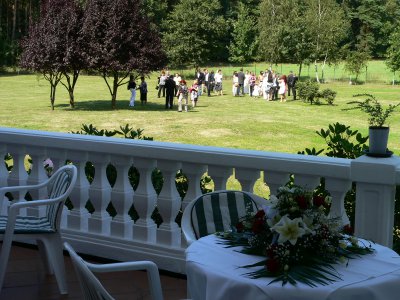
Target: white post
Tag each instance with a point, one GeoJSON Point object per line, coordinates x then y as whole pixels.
{"type": "Point", "coordinates": [145, 200]}
{"type": "Point", "coordinates": [18, 175]}
{"type": "Point", "coordinates": [338, 189]}
{"type": "Point", "coordinates": [219, 175]}
{"type": "Point", "coordinates": [169, 203]}
{"type": "Point", "coordinates": [122, 198]}
{"type": "Point", "coordinates": [376, 186]}
{"type": "Point", "coordinates": [247, 178]}
{"type": "Point", "coordinates": [78, 216]}
{"type": "Point", "coordinates": [100, 195]}
{"type": "Point", "coordinates": [275, 179]}
{"type": "Point", "coordinates": [3, 169]}
{"type": "Point", "coordinates": [193, 172]}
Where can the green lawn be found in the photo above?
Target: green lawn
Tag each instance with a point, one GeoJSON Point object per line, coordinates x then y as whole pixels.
{"type": "Point", "coordinates": [218, 121]}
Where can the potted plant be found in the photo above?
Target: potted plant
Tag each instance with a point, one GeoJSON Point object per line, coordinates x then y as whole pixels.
{"type": "Point", "coordinates": [378, 132]}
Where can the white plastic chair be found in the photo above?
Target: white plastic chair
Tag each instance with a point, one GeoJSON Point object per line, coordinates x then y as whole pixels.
{"type": "Point", "coordinates": [92, 288]}
{"type": "Point", "coordinates": [45, 230]}
{"type": "Point", "coordinates": [217, 211]}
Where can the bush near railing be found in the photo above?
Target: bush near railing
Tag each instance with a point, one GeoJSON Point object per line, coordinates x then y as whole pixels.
{"type": "Point", "coordinates": [343, 142]}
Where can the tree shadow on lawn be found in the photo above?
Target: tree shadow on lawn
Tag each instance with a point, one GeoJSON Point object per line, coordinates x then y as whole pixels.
{"type": "Point", "coordinates": [105, 105]}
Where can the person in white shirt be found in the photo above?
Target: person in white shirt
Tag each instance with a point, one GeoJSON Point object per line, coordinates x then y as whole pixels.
{"type": "Point", "coordinates": [177, 80]}
{"type": "Point", "coordinates": [161, 84]}
{"type": "Point", "coordinates": [218, 82]}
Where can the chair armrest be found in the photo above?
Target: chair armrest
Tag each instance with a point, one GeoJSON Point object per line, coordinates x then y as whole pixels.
{"type": "Point", "coordinates": [149, 266]}
{"type": "Point", "coordinates": [23, 187]}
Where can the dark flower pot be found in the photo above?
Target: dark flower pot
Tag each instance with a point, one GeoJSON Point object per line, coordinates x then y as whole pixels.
{"type": "Point", "coordinates": [378, 139]}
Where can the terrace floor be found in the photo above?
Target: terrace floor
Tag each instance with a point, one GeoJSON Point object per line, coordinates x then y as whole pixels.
{"type": "Point", "coordinates": [26, 279]}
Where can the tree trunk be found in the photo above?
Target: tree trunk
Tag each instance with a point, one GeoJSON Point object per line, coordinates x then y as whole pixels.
{"type": "Point", "coordinates": [70, 86]}
{"type": "Point", "coordinates": [114, 91]}
{"type": "Point", "coordinates": [316, 71]}
{"type": "Point", "coordinates": [300, 67]}
{"type": "Point", "coordinates": [52, 94]}
{"type": "Point", "coordinates": [14, 21]}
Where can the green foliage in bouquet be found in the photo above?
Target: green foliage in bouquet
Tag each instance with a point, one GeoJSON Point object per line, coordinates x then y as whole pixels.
{"type": "Point", "coordinates": [297, 239]}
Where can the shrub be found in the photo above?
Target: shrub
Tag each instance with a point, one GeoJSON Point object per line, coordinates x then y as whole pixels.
{"type": "Point", "coordinates": [308, 91]}
{"type": "Point", "coordinates": [328, 95]}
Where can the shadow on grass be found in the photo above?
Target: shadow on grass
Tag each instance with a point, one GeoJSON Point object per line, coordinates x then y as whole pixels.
{"type": "Point", "coordinates": [105, 105]}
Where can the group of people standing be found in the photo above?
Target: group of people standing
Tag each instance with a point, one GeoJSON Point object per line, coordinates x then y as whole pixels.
{"type": "Point", "coordinates": [268, 84]}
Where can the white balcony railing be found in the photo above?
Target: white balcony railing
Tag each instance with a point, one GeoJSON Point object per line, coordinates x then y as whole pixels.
{"type": "Point", "coordinates": [123, 239]}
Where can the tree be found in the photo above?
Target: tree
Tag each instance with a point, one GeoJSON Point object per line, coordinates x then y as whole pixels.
{"type": "Point", "coordinates": [70, 16]}
{"type": "Point", "coordinates": [41, 49]}
{"type": "Point", "coordinates": [121, 41]}
{"type": "Point", "coordinates": [327, 28]}
{"type": "Point", "coordinates": [243, 44]}
{"type": "Point", "coordinates": [283, 32]}
{"type": "Point", "coordinates": [356, 61]}
{"type": "Point", "coordinates": [193, 32]}
{"type": "Point", "coordinates": [393, 53]}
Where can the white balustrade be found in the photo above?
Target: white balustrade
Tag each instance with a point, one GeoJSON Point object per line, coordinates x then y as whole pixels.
{"type": "Point", "coordinates": [247, 178]}
{"type": "Point", "coordinates": [193, 172]}
{"type": "Point", "coordinates": [122, 239]}
{"type": "Point", "coordinates": [3, 169]}
{"type": "Point", "coordinates": [78, 216]}
{"type": "Point", "coordinates": [169, 203]}
{"type": "Point", "coordinates": [220, 176]}
{"type": "Point", "coordinates": [100, 195]}
{"type": "Point", "coordinates": [122, 198]}
{"type": "Point", "coordinates": [145, 200]}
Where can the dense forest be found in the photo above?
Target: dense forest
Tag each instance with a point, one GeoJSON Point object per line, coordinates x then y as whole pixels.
{"type": "Point", "coordinates": [197, 31]}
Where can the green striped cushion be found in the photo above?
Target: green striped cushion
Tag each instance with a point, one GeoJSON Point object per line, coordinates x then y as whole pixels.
{"type": "Point", "coordinates": [28, 225]}
{"type": "Point", "coordinates": [47, 224]}
{"type": "Point", "coordinates": [218, 211]}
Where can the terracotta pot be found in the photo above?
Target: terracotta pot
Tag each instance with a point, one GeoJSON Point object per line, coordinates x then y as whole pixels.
{"type": "Point", "coordinates": [378, 139]}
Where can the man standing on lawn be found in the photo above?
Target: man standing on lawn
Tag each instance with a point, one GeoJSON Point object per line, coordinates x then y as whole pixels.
{"type": "Point", "coordinates": [241, 77]}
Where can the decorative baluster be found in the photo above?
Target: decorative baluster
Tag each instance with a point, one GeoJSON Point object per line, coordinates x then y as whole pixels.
{"type": "Point", "coordinates": [169, 203]}
{"type": "Point", "coordinates": [193, 172]}
{"type": "Point", "coordinates": [145, 199]}
{"type": "Point", "coordinates": [307, 181]}
{"type": "Point", "coordinates": [338, 189]}
{"type": "Point", "coordinates": [18, 175]}
{"type": "Point", "coordinates": [220, 176]}
{"type": "Point", "coordinates": [247, 178]}
{"type": "Point", "coordinates": [3, 178]}
{"type": "Point", "coordinates": [78, 216]}
{"type": "Point", "coordinates": [275, 179]}
{"type": "Point", "coordinates": [3, 169]}
{"type": "Point", "coordinates": [100, 195]}
{"type": "Point", "coordinates": [122, 198]}
{"type": "Point", "coordinates": [37, 175]}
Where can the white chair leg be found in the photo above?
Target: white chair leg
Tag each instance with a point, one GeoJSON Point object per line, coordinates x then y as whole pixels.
{"type": "Point", "coordinates": [44, 256]}
{"type": "Point", "coordinates": [54, 250]}
{"type": "Point", "coordinates": [4, 255]}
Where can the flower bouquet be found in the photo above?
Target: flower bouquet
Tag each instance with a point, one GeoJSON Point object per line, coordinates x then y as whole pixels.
{"type": "Point", "coordinates": [297, 239]}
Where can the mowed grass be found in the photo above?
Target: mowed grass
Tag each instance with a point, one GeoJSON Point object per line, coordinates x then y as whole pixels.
{"type": "Point", "coordinates": [223, 121]}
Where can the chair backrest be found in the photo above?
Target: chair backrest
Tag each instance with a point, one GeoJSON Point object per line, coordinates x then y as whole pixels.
{"type": "Point", "coordinates": [91, 287]}
{"type": "Point", "coordinates": [60, 186]}
{"type": "Point", "coordinates": [217, 211]}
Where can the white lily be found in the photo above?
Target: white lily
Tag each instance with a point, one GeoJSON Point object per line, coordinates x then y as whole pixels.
{"type": "Point", "coordinates": [289, 230]}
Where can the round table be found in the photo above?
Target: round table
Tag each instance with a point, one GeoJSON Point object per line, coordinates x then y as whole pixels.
{"type": "Point", "coordinates": [214, 272]}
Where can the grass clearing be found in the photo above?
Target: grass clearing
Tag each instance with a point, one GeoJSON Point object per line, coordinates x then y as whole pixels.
{"type": "Point", "coordinates": [223, 121]}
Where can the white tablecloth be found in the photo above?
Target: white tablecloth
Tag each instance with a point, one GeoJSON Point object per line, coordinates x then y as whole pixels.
{"type": "Point", "coordinates": [213, 272]}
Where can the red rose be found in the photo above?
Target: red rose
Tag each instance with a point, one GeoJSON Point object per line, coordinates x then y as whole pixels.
{"type": "Point", "coordinates": [301, 202]}
{"type": "Point", "coordinates": [240, 227]}
{"type": "Point", "coordinates": [318, 201]}
{"type": "Point", "coordinates": [271, 250]}
{"type": "Point", "coordinates": [258, 226]}
{"type": "Point", "coordinates": [347, 229]}
{"type": "Point", "coordinates": [272, 265]}
{"type": "Point", "coordinates": [260, 214]}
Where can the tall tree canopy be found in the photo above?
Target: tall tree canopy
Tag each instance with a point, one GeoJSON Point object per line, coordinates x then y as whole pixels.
{"type": "Point", "coordinates": [121, 41]}
{"type": "Point", "coordinates": [393, 53]}
{"type": "Point", "coordinates": [193, 32]}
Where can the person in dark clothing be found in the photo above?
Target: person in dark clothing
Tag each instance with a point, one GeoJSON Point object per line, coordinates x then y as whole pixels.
{"type": "Point", "coordinates": [240, 89]}
{"type": "Point", "coordinates": [211, 83]}
{"type": "Point", "coordinates": [291, 82]}
{"type": "Point", "coordinates": [143, 91]}
{"type": "Point", "coordinates": [169, 92]}
{"type": "Point", "coordinates": [200, 80]}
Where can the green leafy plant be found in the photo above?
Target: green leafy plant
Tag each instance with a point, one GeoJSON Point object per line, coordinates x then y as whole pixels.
{"type": "Point", "coordinates": [328, 95]}
{"type": "Point", "coordinates": [308, 91]}
{"type": "Point", "coordinates": [372, 107]}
